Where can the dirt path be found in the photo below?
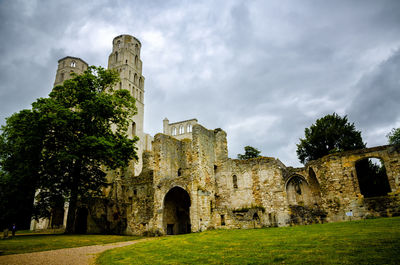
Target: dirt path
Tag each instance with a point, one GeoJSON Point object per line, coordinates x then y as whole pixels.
{"type": "Point", "coordinates": [66, 256]}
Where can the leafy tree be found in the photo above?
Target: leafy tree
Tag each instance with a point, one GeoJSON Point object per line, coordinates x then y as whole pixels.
{"type": "Point", "coordinates": [20, 148]}
{"type": "Point", "coordinates": [329, 134]}
{"type": "Point", "coordinates": [78, 132]}
{"type": "Point", "coordinates": [249, 152]}
{"type": "Point", "coordinates": [394, 136]}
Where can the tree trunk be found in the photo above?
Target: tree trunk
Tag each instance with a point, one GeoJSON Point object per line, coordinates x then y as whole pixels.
{"type": "Point", "coordinates": [71, 218]}
{"type": "Point", "coordinates": [70, 227]}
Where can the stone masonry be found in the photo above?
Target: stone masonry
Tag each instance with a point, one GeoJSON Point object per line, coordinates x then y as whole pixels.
{"type": "Point", "coordinates": [185, 182]}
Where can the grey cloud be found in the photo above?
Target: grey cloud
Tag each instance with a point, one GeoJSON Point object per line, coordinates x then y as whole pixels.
{"type": "Point", "coordinates": [262, 71]}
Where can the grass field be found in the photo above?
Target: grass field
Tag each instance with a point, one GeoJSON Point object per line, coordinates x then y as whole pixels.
{"type": "Point", "coordinates": [375, 241]}
{"type": "Point", "coordinates": [42, 242]}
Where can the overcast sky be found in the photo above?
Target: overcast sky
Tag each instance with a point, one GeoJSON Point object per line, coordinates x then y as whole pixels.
{"type": "Point", "coordinates": [260, 70]}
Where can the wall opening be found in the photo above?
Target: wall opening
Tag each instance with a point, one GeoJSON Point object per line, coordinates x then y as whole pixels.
{"type": "Point", "coordinates": [133, 128]}
{"type": "Point", "coordinates": [314, 186]}
{"type": "Point", "coordinates": [372, 177]}
{"type": "Point", "coordinates": [81, 221]}
{"type": "Point", "coordinates": [222, 219]}
{"type": "Point", "coordinates": [234, 180]}
{"type": "Point", "coordinates": [176, 215]}
{"type": "Point", "coordinates": [298, 191]}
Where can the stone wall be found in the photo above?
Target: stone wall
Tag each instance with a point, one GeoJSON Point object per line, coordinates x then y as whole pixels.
{"type": "Point", "coordinates": [192, 185]}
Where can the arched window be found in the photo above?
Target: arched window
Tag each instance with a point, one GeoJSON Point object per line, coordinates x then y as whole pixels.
{"type": "Point", "coordinates": [135, 79]}
{"type": "Point", "coordinates": [181, 130]}
{"type": "Point", "coordinates": [137, 62]}
{"type": "Point", "coordinates": [136, 49]}
{"type": "Point", "coordinates": [116, 56]}
{"type": "Point", "coordinates": [141, 82]}
{"type": "Point", "coordinates": [173, 130]}
{"type": "Point", "coordinates": [129, 74]}
{"type": "Point", "coordinates": [63, 63]}
{"type": "Point", "coordinates": [120, 85]}
{"type": "Point", "coordinates": [234, 180]}
{"type": "Point", "coordinates": [179, 172]}
{"type": "Point", "coordinates": [119, 44]}
{"type": "Point", "coordinates": [62, 77]}
{"type": "Point", "coordinates": [126, 61]}
{"type": "Point", "coordinates": [133, 128]}
{"type": "Point", "coordinates": [73, 64]}
{"type": "Point", "coordinates": [189, 128]}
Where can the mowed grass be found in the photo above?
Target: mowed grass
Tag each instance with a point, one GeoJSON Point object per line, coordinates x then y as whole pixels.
{"type": "Point", "coordinates": [42, 242]}
{"type": "Point", "coordinates": [374, 241]}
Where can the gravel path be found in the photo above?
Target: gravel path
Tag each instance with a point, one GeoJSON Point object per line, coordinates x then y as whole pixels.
{"type": "Point", "coordinates": [66, 256]}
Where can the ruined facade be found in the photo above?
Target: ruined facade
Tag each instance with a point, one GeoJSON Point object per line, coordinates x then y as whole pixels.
{"type": "Point", "coordinates": [185, 181]}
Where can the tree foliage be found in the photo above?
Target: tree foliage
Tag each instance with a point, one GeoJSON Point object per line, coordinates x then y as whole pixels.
{"type": "Point", "coordinates": [329, 134]}
{"type": "Point", "coordinates": [394, 136]}
{"type": "Point", "coordinates": [249, 152]}
{"type": "Point", "coordinates": [64, 142]}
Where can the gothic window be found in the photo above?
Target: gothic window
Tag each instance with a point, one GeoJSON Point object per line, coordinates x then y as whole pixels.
{"type": "Point", "coordinates": [126, 61]}
{"type": "Point", "coordinates": [234, 180]}
{"type": "Point", "coordinates": [62, 77]}
{"type": "Point", "coordinates": [119, 44]}
{"type": "Point", "coordinates": [129, 74]}
{"type": "Point", "coordinates": [222, 219]}
{"type": "Point", "coordinates": [173, 130]}
{"type": "Point", "coordinates": [136, 61]}
{"type": "Point", "coordinates": [179, 172]}
{"type": "Point", "coordinates": [116, 56]}
{"type": "Point", "coordinates": [137, 49]}
{"type": "Point", "coordinates": [135, 79]}
{"type": "Point", "coordinates": [189, 128]}
{"type": "Point", "coordinates": [133, 128]}
{"type": "Point", "coordinates": [181, 130]}
{"type": "Point", "coordinates": [141, 82]}
{"type": "Point", "coordinates": [73, 64]}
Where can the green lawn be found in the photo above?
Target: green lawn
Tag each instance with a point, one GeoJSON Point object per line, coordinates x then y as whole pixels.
{"type": "Point", "coordinates": [42, 242]}
{"type": "Point", "coordinates": [375, 241]}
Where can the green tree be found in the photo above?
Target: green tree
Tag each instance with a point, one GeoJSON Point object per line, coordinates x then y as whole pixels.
{"type": "Point", "coordinates": [249, 152]}
{"type": "Point", "coordinates": [329, 134]}
{"type": "Point", "coordinates": [20, 148]}
{"type": "Point", "coordinates": [80, 130]}
{"type": "Point", "coordinates": [394, 136]}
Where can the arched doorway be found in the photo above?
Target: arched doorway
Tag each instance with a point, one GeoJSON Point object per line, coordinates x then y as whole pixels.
{"type": "Point", "coordinates": [298, 191]}
{"type": "Point", "coordinates": [176, 215]}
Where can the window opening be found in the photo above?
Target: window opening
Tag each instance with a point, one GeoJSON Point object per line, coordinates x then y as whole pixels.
{"type": "Point", "coordinates": [372, 177]}
{"type": "Point", "coordinates": [234, 180]}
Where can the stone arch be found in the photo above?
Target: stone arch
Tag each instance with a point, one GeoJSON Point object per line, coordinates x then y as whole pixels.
{"type": "Point", "coordinates": [176, 211]}
{"type": "Point", "coordinates": [298, 191]}
{"type": "Point", "coordinates": [372, 177]}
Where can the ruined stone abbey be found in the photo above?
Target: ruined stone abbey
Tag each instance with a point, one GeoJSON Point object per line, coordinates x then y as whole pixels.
{"type": "Point", "coordinates": [185, 182]}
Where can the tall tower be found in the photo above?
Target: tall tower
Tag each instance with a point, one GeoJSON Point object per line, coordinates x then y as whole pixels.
{"type": "Point", "coordinates": [125, 58]}
{"type": "Point", "coordinates": [68, 65]}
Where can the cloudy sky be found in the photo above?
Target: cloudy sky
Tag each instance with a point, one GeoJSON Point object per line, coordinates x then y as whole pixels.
{"type": "Point", "coordinates": [261, 70]}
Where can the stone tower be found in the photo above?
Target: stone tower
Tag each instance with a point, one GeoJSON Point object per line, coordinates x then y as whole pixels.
{"type": "Point", "coordinates": [68, 65]}
{"type": "Point", "coordinates": [125, 58]}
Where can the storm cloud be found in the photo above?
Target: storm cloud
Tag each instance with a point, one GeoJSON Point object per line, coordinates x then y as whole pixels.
{"type": "Point", "coordinates": [261, 70]}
